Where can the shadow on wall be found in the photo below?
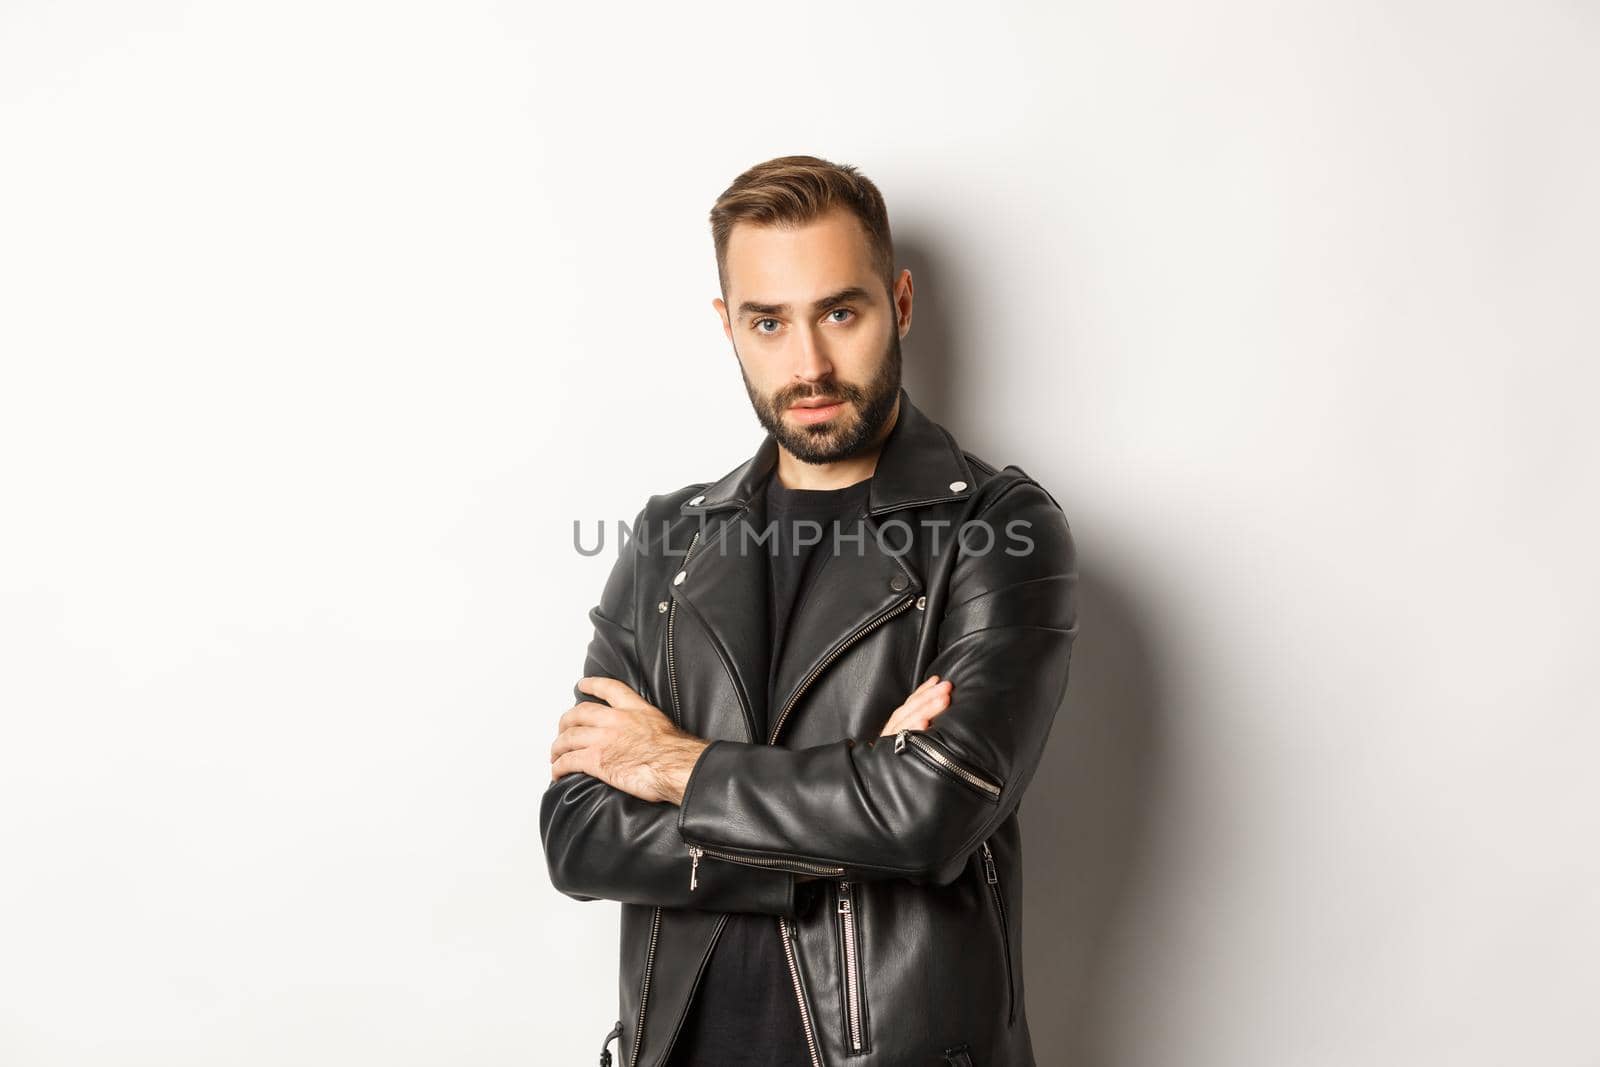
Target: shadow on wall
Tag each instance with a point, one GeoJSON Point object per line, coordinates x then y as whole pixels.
{"type": "Point", "coordinates": [1086, 813]}
{"type": "Point", "coordinates": [932, 371]}
{"type": "Point", "coordinates": [1085, 828]}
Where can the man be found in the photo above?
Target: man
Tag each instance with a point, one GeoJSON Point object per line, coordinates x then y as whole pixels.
{"type": "Point", "coordinates": [817, 689]}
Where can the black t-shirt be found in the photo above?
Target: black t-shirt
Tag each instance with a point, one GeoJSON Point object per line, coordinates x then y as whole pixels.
{"type": "Point", "coordinates": [744, 1011]}
{"type": "Point", "coordinates": [805, 523]}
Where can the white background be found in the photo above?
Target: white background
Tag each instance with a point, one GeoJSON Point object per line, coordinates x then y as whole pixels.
{"type": "Point", "coordinates": [322, 322]}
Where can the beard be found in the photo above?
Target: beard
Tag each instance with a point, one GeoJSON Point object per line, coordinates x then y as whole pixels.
{"type": "Point", "coordinates": [852, 430]}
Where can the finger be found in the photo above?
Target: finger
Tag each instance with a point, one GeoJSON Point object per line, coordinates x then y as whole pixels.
{"type": "Point", "coordinates": [896, 718]}
{"type": "Point", "coordinates": [616, 693]}
{"type": "Point", "coordinates": [899, 713]}
{"type": "Point", "coordinates": [579, 759]}
{"type": "Point", "coordinates": [929, 704]}
{"type": "Point", "coordinates": [586, 713]}
{"type": "Point", "coordinates": [575, 737]}
{"type": "Point", "coordinates": [936, 695]}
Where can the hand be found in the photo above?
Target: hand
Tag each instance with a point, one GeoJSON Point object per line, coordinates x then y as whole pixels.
{"type": "Point", "coordinates": [919, 709]}
{"type": "Point", "coordinates": [629, 744]}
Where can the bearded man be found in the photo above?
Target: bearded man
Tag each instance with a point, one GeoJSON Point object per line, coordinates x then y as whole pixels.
{"type": "Point", "coordinates": [817, 689]}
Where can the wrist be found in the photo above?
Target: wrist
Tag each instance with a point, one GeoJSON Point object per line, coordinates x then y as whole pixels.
{"type": "Point", "coordinates": [679, 765]}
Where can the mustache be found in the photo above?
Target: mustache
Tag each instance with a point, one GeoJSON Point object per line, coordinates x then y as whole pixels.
{"type": "Point", "coordinates": [838, 392]}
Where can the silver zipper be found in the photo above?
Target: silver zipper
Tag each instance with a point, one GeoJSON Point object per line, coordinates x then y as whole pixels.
{"type": "Point", "coordinates": [799, 991]}
{"type": "Point", "coordinates": [644, 988]}
{"type": "Point", "coordinates": [788, 949]}
{"type": "Point", "coordinates": [697, 851]}
{"type": "Point", "coordinates": [993, 878]}
{"type": "Point", "coordinates": [801, 866]}
{"type": "Point", "coordinates": [866, 627]}
{"type": "Point", "coordinates": [852, 965]}
{"type": "Point", "coordinates": [655, 918]}
{"type": "Point", "coordinates": [789, 865]}
{"type": "Point", "coordinates": [930, 750]}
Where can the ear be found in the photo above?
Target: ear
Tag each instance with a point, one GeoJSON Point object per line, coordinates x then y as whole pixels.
{"type": "Point", "coordinates": [722, 313]}
{"type": "Point", "coordinates": [902, 301]}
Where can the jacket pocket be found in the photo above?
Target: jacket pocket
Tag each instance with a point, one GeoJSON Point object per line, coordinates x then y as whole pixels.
{"type": "Point", "coordinates": [853, 992]}
{"type": "Point", "coordinates": [992, 877]}
{"type": "Point", "coordinates": [939, 757]}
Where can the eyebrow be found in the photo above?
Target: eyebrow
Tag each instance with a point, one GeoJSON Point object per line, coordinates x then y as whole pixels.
{"type": "Point", "coordinates": [854, 292]}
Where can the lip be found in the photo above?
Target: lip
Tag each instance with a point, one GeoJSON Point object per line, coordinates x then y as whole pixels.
{"type": "Point", "coordinates": [811, 411]}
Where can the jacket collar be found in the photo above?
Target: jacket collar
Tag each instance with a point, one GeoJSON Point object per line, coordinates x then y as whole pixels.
{"type": "Point", "coordinates": [919, 464]}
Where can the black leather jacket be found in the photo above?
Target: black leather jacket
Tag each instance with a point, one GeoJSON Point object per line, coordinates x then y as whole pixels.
{"type": "Point", "coordinates": [905, 947]}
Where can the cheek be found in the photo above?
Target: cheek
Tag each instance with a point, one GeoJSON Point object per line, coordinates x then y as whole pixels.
{"type": "Point", "coordinates": [860, 357]}
{"type": "Point", "coordinates": [762, 374]}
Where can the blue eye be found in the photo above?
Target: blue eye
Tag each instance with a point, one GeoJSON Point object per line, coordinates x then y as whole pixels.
{"type": "Point", "coordinates": [758, 323]}
{"type": "Point", "coordinates": [835, 311]}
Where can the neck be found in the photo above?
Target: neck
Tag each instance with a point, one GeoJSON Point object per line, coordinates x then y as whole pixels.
{"type": "Point", "coordinates": [795, 473]}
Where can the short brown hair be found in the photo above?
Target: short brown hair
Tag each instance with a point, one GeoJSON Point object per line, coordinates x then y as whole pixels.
{"type": "Point", "coordinates": [794, 190]}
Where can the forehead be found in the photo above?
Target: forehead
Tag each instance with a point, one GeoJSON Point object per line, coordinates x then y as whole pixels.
{"type": "Point", "coordinates": [790, 264]}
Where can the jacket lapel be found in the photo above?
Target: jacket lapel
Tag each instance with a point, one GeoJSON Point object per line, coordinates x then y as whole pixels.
{"type": "Point", "coordinates": [725, 582]}
{"type": "Point", "coordinates": [851, 590]}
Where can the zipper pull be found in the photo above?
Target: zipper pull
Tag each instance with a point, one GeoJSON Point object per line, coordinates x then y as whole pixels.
{"type": "Point", "coordinates": [900, 741]}
{"type": "Point", "coordinates": [695, 852]}
{"type": "Point", "coordinates": [988, 865]}
{"type": "Point", "coordinates": [605, 1049]}
{"type": "Point", "coordinates": [844, 898]}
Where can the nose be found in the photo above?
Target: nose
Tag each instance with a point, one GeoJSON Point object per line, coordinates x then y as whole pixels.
{"type": "Point", "coordinates": [814, 363]}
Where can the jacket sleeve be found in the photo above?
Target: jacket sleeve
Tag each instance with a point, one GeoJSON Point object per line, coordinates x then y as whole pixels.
{"type": "Point", "coordinates": [602, 843]}
{"type": "Point", "coordinates": [915, 805]}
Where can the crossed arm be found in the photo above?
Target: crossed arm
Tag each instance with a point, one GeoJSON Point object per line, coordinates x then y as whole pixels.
{"type": "Point", "coordinates": [618, 770]}
{"type": "Point", "coordinates": [630, 792]}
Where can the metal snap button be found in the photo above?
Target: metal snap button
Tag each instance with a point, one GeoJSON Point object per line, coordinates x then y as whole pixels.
{"type": "Point", "coordinates": [899, 582]}
{"type": "Point", "coordinates": [956, 487]}
{"type": "Point", "coordinates": [922, 603]}
{"type": "Point", "coordinates": [661, 608]}
{"type": "Point", "coordinates": [678, 580]}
